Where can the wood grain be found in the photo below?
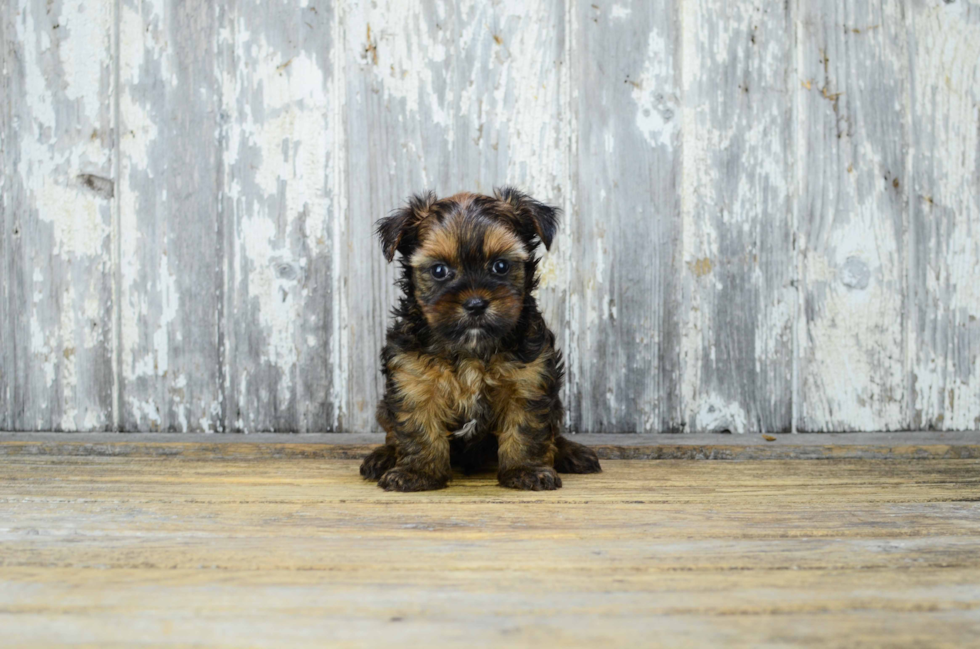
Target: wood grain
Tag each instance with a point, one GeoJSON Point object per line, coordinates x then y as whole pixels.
{"type": "Point", "coordinates": [944, 201]}
{"type": "Point", "coordinates": [853, 101]}
{"type": "Point", "coordinates": [511, 126]}
{"type": "Point", "coordinates": [771, 211]}
{"type": "Point", "coordinates": [278, 202]}
{"type": "Point", "coordinates": [169, 244]}
{"type": "Point", "coordinates": [399, 112]}
{"type": "Point", "coordinates": [624, 225]}
{"type": "Point", "coordinates": [738, 231]}
{"type": "Point", "coordinates": [262, 551]}
{"type": "Point", "coordinates": [56, 202]}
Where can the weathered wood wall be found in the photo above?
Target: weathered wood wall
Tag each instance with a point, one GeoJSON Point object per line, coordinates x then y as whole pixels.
{"type": "Point", "coordinates": [772, 210]}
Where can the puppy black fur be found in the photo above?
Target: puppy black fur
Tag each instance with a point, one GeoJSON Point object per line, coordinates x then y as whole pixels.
{"type": "Point", "coordinates": [471, 371]}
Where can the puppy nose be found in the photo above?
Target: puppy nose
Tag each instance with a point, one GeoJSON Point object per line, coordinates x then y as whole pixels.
{"type": "Point", "coordinates": [475, 305]}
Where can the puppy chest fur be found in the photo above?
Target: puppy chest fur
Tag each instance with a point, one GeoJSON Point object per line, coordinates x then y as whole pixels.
{"type": "Point", "coordinates": [440, 396]}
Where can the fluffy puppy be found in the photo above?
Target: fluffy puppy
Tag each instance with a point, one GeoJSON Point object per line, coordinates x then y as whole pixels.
{"type": "Point", "coordinates": [471, 370]}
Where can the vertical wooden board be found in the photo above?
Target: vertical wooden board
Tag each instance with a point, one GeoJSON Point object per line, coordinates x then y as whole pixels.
{"type": "Point", "coordinates": [853, 101]}
{"type": "Point", "coordinates": [170, 243]}
{"type": "Point", "coordinates": [398, 66]}
{"type": "Point", "coordinates": [739, 297]}
{"type": "Point", "coordinates": [511, 121]}
{"type": "Point", "coordinates": [277, 143]}
{"type": "Point", "coordinates": [625, 218]}
{"type": "Point", "coordinates": [8, 84]}
{"type": "Point", "coordinates": [944, 242]}
{"type": "Point", "coordinates": [56, 194]}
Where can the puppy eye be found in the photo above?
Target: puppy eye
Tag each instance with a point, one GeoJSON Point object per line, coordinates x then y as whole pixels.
{"type": "Point", "coordinates": [500, 267]}
{"type": "Point", "coordinates": [440, 271]}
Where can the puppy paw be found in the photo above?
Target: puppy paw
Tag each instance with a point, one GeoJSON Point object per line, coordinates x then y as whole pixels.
{"type": "Point", "coordinates": [404, 480]}
{"type": "Point", "coordinates": [573, 457]}
{"type": "Point", "coordinates": [530, 478]}
{"type": "Point", "coordinates": [377, 462]}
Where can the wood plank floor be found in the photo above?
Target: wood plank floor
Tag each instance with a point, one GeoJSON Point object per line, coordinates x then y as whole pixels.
{"type": "Point", "coordinates": [124, 551]}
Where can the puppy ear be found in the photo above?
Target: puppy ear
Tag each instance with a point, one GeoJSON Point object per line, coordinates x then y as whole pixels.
{"type": "Point", "coordinates": [397, 230]}
{"type": "Point", "coordinates": [534, 218]}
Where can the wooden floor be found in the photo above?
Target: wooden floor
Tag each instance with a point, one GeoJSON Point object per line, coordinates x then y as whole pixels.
{"type": "Point", "coordinates": [185, 550]}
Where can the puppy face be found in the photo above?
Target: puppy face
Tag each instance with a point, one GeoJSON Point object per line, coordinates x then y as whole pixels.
{"type": "Point", "coordinates": [468, 273]}
{"type": "Point", "coordinates": [469, 259]}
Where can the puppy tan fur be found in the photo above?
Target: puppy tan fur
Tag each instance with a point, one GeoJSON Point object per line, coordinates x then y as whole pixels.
{"type": "Point", "coordinates": [471, 370]}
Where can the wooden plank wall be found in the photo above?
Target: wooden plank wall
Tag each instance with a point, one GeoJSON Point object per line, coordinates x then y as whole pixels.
{"type": "Point", "coordinates": [772, 210]}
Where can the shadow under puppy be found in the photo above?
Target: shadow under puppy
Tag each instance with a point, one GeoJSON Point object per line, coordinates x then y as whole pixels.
{"type": "Point", "coordinates": [471, 370]}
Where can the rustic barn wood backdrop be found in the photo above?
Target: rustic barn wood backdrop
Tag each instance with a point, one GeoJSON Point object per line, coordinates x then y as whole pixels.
{"type": "Point", "coordinates": [772, 209]}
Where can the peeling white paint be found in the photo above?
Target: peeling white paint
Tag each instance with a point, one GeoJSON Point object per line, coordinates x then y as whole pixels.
{"type": "Point", "coordinates": [852, 355]}
{"type": "Point", "coordinates": [48, 169]}
{"type": "Point", "coordinates": [58, 66]}
{"type": "Point", "coordinates": [619, 12]}
{"type": "Point", "coordinates": [736, 346]}
{"type": "Point", "coordinates": [472, 95]}
{"type": "Point", "coordinates": [714, 415]}
{"type": "Point", "coordinates": [337, 173]}
{"type": "Point", "coordinates": [945, 159]}
{"type": "Point", "coordinates": [86, 29]}
{"type": "Point", "coordinates": [301, 131]}
{"type": "Point", "coordinates": [42, 350]}
{"type": "Point", "coordinates": [138, 131]}
{"type": "Point", "coordinates": [146, 412]}
{"type": "Point", "coordinates": [406, 55]}
{"type": "Point", "coordinates": [274, 297]}
{"type": "Point", "coordinates": [656, 102]}
{"type": "Point", "coordinates": [67, 363]}
{"type": "Point", "coordinates": [143, 39]}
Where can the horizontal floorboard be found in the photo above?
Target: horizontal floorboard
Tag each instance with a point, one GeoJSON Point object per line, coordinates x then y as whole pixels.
{"type": "Point", "coordinates": [110, 550]}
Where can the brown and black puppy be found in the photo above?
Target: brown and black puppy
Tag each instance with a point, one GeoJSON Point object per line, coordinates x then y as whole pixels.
{"type": "Point", "coordinates": [471, 370]}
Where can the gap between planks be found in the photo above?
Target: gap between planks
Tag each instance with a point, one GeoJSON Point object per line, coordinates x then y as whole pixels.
{"type": "Point", "coordinates": [806, 446]}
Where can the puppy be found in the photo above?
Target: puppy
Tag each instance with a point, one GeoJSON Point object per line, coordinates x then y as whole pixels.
{"type": "Point", "coordinates": [471, 370]}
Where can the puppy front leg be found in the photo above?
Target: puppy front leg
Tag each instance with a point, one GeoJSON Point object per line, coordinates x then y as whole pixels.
{"type": "Point", "coordinates": [423, 458]}
{"type": "Point", "coordinates": [526, 452]}
{"type": "Point", "coordinates": [378, 461]}
{"type": "Point", "coordinates": [415, 412]}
